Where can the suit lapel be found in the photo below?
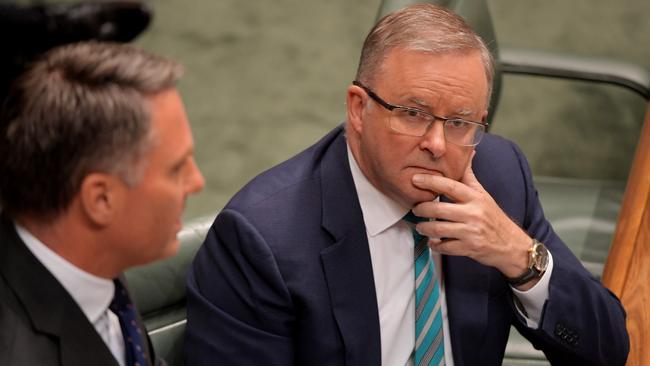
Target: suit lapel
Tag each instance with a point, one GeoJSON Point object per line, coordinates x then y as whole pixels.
{"type": "Point", "coordinates": [48, 305]}
{"type": "Point", "coordinates": [347, 264]}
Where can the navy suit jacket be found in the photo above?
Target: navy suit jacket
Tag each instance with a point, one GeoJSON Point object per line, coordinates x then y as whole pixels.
{"type": "Point", "coordinates": [40, 323]}
{"type": "Point", "coordinates": [284, 276]}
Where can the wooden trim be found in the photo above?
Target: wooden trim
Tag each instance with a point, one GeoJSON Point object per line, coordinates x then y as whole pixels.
{"type": "Point", "coordinates": [627, 271]}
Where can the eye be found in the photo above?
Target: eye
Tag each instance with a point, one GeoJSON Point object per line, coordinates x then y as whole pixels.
{"type": "Point", "coordinates": [414, 115]}
{"type": "Point", "coordinates": [457, 123]}
{"type": "Point", "coordinates": [177, 168]}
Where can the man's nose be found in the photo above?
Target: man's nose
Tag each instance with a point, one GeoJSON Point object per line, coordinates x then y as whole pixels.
{"type": "Point", "coordinates": [434, 139]}
{"type": "Point", "coordinates": [196, 181]}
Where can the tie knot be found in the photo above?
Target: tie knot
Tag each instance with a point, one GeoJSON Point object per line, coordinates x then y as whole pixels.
{"type": "Point", "coordinates": [410, 217]}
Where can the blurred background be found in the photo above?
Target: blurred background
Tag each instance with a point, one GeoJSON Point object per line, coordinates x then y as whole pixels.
{"type": "Point", "coordinates": [267, 79]}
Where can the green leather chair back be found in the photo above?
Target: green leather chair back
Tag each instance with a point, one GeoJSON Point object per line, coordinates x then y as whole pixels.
{"type": "Point", "coordinates": [158, 290]}
{"type": "Point", "coordinates": [477, 15]}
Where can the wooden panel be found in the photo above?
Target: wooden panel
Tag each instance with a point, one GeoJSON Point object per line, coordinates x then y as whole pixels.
{"type": "Point", "coordinates": [627, 271]}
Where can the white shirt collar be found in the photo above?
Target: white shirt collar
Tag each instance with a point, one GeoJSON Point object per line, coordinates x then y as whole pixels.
{"type": "Point", "coordinates": [379, 211]}
{"type": "Point", "coordinates": [93, 294]}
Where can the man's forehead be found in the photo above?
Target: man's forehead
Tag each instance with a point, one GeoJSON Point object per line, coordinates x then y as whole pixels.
{"type": "Point", "coordinates": [423, 104]}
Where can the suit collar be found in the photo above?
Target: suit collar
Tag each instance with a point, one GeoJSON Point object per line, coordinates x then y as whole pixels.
{"type": "Point", "coordinates": [346, 263]}
{"type": "Point", "coordinates": [379, 211]}
{"type": "Point", "coordinates": [93, 294]}
{"type": "Point", "coordinates": [50, 308]}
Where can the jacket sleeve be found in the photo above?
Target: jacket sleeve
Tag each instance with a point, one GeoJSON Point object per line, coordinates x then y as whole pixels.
{"type": "Point", "coordinates": [239, 309]}
{"type": "Point", "coordinates": [582, 322]}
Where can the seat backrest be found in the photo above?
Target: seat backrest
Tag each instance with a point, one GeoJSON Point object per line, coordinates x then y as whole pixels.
{"type": "Point", "coordinates": [477, 15]}
{"type": "Point", "coordinates": [158, 290]}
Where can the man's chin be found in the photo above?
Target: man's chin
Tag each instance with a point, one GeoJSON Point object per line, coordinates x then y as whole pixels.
{"type": "Point", "coordinates": [169, 250]}
{"type": "Point", "coordinates": [172, 248]}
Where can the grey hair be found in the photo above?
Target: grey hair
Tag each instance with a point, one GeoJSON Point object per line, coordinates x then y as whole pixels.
{"type": "Point", "coordinates": [422, 28]}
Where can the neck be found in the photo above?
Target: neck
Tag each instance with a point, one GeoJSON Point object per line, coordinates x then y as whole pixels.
{"type": "Point", "coordinates": [75, 242]}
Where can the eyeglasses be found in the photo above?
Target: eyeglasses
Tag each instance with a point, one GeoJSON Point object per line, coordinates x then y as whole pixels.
{"type": "Point", "coordinates": [415, 122]}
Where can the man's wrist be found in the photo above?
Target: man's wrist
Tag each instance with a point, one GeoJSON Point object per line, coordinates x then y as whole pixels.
{"type": "Point", "coordinates": [537, 263]}
{"type": "Point", "coordinates": [517, 259]}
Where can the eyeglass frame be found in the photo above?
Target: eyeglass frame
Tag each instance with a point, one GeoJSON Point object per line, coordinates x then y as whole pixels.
{"type": "Point", "coordinates": [391, 107]}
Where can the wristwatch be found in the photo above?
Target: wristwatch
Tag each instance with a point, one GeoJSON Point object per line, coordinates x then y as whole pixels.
{"type": "Point", "coordinates": [537, 263]}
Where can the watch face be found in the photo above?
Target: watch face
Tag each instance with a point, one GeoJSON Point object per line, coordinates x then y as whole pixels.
{"type": "Point", "coordinates": [541, 258]}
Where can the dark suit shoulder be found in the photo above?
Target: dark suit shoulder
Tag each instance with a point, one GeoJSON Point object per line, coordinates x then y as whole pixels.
{"type": "Point", "coordinates": [285, 179]}
{"type": "Point", "coordinates": [498, 159]}
{"type": "Point", "coordinates": [18, 338]}
{"type": "Point", "coordinates": [47, 325]}
{"type": "Point", "coordinates": [503, 171]}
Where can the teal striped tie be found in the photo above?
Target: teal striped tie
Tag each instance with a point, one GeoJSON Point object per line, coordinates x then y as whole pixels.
{"type": "Point", "coordinates": [429, 344]}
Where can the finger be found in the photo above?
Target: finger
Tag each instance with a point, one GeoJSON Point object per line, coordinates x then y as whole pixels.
{"type": "Point", "coordinates": [447, 246]}
{"type": "Point", "coordinates": [442, 229]}
{"type": "Point", "coordinates": [442, 185]}
{"type": "Point", "coordinates": [434, 242]}
{"type": "Point", "coordinates": [441, 210]}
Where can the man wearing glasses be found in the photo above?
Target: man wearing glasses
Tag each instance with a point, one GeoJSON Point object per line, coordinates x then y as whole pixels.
{"type": "Point", "coordinates": [407, 237]}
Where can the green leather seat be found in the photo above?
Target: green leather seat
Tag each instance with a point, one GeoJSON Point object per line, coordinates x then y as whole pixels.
{"type": "Point", "coordinates": [158, 289]}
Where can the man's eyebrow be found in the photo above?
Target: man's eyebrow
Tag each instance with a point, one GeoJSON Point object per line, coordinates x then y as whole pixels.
{"type": "Point", "coordinates": [463, 111]}
{"type": "Point", "coordinates": [420, 103]}
{"type": "Point", "coordinates": [183, 158]}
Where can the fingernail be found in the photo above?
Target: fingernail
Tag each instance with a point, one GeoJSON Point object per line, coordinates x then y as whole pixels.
{"type": "Point", "coordinates": [418, 178]}
{"type": "Point", "coordinates": [433, 242]}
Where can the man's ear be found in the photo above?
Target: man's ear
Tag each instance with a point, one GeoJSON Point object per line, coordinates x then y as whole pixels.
{"type": "Point", "coordinates": [355, 103]}
{"type": "Point", "coordinates": [99, 196]}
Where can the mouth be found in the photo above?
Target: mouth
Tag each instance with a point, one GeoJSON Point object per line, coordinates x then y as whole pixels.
{"type": "Point", "coordinates": [425, 170]}
{"type": "Point", "coordinates": [418, 169]}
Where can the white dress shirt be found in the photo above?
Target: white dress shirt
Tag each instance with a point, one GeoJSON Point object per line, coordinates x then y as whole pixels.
{"type": "Point", "coordinates": [391, 250]}
{"type": "Point", "coordinates": [93, 294]}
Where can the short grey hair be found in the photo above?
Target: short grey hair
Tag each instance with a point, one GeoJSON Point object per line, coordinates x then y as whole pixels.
{"type": "Point", "coordinates": [422, 28]}
{"type": "Point", "coordinates": [80, 108]}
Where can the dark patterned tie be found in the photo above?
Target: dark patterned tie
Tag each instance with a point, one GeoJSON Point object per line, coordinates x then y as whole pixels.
{"type": "Point", "coordinates": [429, 344]}
{"type": "Point", "coordinates": [133, 338]}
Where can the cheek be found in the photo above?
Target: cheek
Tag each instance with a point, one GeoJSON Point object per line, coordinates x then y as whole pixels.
{"type": "Point", "coordinates": [457, 160]}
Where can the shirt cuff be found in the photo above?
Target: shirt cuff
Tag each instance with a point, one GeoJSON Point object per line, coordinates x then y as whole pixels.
{"type": "Point", "coordinates": [534, 298]}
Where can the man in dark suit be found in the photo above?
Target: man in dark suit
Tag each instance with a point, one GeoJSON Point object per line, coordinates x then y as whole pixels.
{"type": "Point", "coordinates": [398, 239]}
{"type": "Point", "coordinates": [96, 166]}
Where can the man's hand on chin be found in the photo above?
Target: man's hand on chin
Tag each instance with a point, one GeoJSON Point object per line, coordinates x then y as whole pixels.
{"type": "Point", "coordinates": [473, 225]}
